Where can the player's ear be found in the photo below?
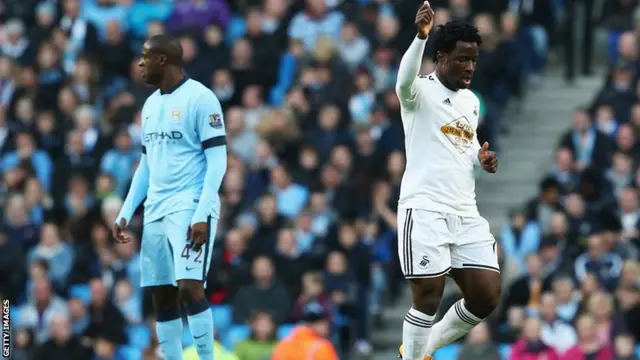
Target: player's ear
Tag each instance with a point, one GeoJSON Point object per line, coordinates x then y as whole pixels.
{"type": "Point", "coordinates": [162, 60]}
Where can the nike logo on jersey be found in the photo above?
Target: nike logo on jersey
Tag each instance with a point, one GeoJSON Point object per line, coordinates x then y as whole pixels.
{"type": "Point", "coordinates": [447, 102]}
{"type": "Point", "coordinates": [189, 268]}
{"type": "Point", "coordinates": [198, 337]}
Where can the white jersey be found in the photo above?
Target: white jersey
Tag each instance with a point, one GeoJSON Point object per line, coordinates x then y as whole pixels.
{"type": "Point", "coordinates": [440, 139]}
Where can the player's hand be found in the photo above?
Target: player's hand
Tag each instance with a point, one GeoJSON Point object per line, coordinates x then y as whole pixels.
{"type": "Point", "coordinates": [198, 235]}
{"type": "Point", "coordinates": [424, 20]}
{"type": "Point", "coordinates": [488, 159]}
{"type": "Point", "coordinates": [118, 232]}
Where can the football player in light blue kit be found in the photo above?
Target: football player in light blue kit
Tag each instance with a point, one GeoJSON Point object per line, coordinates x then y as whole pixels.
{"type": "Point", "coordinates": [183, 162]}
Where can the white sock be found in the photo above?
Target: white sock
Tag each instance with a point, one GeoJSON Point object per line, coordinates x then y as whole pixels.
{"type": "Point", "coordinates": [457, 322]}
{"type": "Point", "coordinates": [415, 334]}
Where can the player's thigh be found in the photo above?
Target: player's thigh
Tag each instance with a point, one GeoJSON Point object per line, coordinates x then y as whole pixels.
{"type": "Point", "coordinates": [423, 243]}
{"type": "Point", "coordinates": [156, 257]}
{"type": "Point", "coordinates": [475, 246]}
{"type": "Point", "coordinates": [188, 263]}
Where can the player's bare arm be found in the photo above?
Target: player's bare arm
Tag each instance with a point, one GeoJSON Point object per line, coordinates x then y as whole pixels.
{"type": "Point", "coordinates": [488, 159]}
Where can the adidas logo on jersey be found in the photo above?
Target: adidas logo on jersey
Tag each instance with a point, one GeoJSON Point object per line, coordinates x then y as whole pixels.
{"type": "Point", "coordinates": [447, 102]}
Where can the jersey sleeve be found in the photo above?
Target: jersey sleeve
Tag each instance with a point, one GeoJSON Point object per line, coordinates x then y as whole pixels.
{"type": "Point", "coordinates": [475, 144]}
{"type": "Point", "coordinates": [407, 85]}
{"type": "Point", "coordinates": [475, 148]}
{"type": "Point", "coordinates": [209, 121]}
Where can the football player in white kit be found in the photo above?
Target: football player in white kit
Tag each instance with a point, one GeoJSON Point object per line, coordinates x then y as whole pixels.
{"type": "Point", "coordinates": [440, 231]}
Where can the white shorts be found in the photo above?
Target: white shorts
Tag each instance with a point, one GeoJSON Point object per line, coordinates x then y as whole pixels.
{"type": "Point", "coordinates": [165, 252]}
{"type": "Point", "coordinates": [431, 243]}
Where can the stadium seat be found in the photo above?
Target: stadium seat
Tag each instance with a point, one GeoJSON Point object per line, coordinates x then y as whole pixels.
{"type": "Point", "coordinates": [139, 336]}
{"type": "Point", "coordinates": [221, 317]}
{"type": "Point", "coordinates": [505, 350]}
{"type": "Point", "coordinates": [236, 334]}
{"type": "Point", "coordinates": [449, 352]}
{"type": "Point", "coordinates": [81, 291]}
{"type": "Point", "coordinates": [130, 352]}
{"type": "Point", "coordinates": [285, 330]}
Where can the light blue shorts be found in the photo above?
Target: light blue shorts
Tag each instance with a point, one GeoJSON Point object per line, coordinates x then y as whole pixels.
{"type": "Point", "coordinates": [166, 254]}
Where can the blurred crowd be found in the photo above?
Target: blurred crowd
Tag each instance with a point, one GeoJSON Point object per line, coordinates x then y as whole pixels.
{"type": "Point", "coordinates": [572, 251]}
{"type": "Point", "coordinates": [316, 157]}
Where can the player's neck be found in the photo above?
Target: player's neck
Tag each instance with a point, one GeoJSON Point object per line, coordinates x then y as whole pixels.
{"type": "Point", "coordinates": [172, 79]}
{"type": "Point", "coordinates": [444, 82]}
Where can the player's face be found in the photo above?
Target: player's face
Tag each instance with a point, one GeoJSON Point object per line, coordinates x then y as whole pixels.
{"type": "Point", "coordinates": [151, 65]}
{"type": "Point", "coordinates": [459, 65]}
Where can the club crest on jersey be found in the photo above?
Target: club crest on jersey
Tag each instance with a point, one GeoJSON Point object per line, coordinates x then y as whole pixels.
{"type": "Point", "coordinates": [215, 121]}
{"type": "Point", "coordinates": [460, 133]}
{"type": "Point", "coordinates": [475, 110]}
{"type": "Point", "coordinates": [175, 115]}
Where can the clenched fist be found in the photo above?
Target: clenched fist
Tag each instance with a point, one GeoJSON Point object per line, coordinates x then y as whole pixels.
{"type": "Point", "coordinates": [424, 20]}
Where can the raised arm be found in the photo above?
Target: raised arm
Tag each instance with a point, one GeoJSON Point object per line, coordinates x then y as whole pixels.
{"type": "Point", "coordinates": [408, 71]}
{"type": "Point", "coordinates": [412, 58]}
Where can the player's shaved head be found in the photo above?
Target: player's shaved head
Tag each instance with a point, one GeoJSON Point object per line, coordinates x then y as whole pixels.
{"type": "Point", "coordinates": [161, 61]}
{"type": "Point", "coordinates": [167, 45]}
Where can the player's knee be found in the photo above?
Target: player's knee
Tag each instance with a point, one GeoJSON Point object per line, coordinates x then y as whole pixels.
{"type": "Point", "coordinates": [426, 297]}
{"type": "Point", "coordinates": [190, 292]}
{"type": "Point", "coordinates": [493, 298]}
{"type": "Point", "coordinates": [165, 297]}
{"type": "Point", "coordinates": [483, 302]}
{"type": "Point", "coordinates": [426, 304]}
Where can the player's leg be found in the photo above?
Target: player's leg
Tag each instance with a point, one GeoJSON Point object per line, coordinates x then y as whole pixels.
{"type": "Point", "coordinates": [476, 271]}
{"type": "Point", "coordinates": [423, 249]}
{"type": "Point", "coordinates": [191, 269]}
{"type": "Point", "coordinates": [157, 274]}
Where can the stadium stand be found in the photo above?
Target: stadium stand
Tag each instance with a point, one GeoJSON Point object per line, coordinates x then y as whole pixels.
{"type": "Point", "coordinates": [316, 158]}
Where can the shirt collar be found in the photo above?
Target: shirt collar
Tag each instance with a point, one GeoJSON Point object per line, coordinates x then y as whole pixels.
{"type": "Point", "coordinates": [184, 80]}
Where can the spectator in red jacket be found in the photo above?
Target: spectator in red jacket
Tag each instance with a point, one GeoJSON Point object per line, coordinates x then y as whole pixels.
{"type": "Point", "coordinates": [589, 345]}
{"type": "Point", "coordinates": [530, 346]}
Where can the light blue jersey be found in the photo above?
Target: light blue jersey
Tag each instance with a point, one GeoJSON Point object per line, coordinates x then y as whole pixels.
{"type": "Point", "coordinates": [182, 166]}
{"type": "Point", "coordinates": [177, 128]}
